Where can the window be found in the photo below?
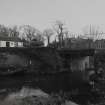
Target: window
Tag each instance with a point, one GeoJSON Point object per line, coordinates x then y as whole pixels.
{"type": "Point", "coordinates": [12, 43]}
{"type": "Point", "coordinates": [16, 44]}
{"type": "Point", "coordinates": [7, 44]}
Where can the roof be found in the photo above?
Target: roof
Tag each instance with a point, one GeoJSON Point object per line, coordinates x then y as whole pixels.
{"type": "Point", "coordinates": [5, 38]}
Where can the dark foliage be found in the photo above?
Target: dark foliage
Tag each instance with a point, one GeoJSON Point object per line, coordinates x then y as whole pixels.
{"type": "Point", "coordinates": [42, 58]}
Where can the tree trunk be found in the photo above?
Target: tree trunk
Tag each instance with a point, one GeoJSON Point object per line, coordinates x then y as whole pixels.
{"type": "Point", "coordinates": [48, 38]}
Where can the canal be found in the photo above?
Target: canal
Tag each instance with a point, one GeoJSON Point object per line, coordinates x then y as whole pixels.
{"type": "Point", "coordinates": [77, 90]}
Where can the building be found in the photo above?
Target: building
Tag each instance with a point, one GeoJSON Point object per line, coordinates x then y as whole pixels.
{"type": "Point", "coordinates": [99, 44]}
{"type": "Point", "coordinates": [33, 43]}
{"type": "Point", "coordinates": [10, 42]}
{"type": "Point", "coordinates": [78, 43]}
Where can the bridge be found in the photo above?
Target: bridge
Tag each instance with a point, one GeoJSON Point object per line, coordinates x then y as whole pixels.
{"type": "Point", "coordinates": [76, 52]}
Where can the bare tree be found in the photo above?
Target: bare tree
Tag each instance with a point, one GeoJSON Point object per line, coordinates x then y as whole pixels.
{"type": "Point", "coordinates": [3, 30]}
{"type": "Point", "coordinates": [92, 32]}
{"type": "Point", "coordinates": [28, 32]}
{"type": "Point", "coordinates": [39, 36]}
{"type": "Point", "coordinates": [48, 33]}
{"type": "Point", "coordinates": [13, 31]}
{"type": "Point", "coordinates": [59, 28]}
{"type": "Point", "coordinates": [66, 34]}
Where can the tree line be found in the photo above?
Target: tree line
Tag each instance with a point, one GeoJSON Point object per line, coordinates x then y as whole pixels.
{"type": "Point", "coordinates": [28, 32]}
{"type": "Point", "coordinates": [59, 32]}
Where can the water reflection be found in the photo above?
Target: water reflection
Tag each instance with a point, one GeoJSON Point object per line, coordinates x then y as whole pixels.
{"type": "Point", "coordinates": [46, 82]}
{"type": "Point", "coordinates": [30, 96]}
{"type": "Point", "coordinates": [53, 83]}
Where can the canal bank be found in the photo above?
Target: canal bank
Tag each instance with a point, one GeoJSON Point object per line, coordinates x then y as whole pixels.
{"type": "Point", "coordinates": [45, 70]}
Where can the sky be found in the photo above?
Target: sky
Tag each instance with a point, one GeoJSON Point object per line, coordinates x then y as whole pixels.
{"type": "Point", "coordinates": [42, 14]}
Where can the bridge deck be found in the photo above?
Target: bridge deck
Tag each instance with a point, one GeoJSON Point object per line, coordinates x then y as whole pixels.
{"type": "Point", "coordinates": [76, 52]}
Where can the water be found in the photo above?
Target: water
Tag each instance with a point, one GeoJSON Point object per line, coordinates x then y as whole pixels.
{"type": "Point", "coordinates": [54, 83]}
{"type": "Point", "coordinates": [46, 82]}
{"type": "Point", "coordinates": [30, 96]}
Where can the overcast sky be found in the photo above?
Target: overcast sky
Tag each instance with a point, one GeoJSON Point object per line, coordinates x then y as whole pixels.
{"type": "Point", "coordinates": [43, 13]}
